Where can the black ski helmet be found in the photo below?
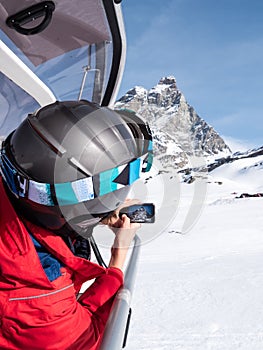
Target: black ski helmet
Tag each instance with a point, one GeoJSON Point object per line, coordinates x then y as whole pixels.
{"type": "Point", "coordinates": [73, 161]}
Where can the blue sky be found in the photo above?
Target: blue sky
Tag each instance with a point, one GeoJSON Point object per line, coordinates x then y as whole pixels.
{"type": "Point", "coordinates": [214, 48]}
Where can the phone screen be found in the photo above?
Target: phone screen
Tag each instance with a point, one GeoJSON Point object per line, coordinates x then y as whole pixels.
{"type": "Point", "coordinates": [142, 213]}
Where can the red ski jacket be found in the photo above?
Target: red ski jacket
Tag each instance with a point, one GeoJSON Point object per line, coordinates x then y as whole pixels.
{"type": "Point", "coordinates": [36, 314]}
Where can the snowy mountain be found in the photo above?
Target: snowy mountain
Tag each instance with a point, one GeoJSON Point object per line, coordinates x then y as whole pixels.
{"type": "Point", "coordinates": [200, 274]}
{"type": "Point", "coordinates": [178, 131]}
{"type": "Point", "coordinates": [250, 160]}
{"type": "Point", "coordinates": [253, 153]}
{"type": "Point", "coordinates": [243, 173]}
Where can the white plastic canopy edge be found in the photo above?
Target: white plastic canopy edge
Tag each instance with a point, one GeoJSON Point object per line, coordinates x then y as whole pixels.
{"type": "Point", "coordinates": [17, 71]}
{"type": "Point", "coordinates": [119, 16]}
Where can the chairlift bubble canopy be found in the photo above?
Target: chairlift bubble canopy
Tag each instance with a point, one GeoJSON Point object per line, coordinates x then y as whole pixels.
{"type": "Point", "coordinates": [58, 50]}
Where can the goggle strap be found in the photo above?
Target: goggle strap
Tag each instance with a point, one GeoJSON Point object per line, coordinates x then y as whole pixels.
{"type": "Point", "coordinates": [70, 193]}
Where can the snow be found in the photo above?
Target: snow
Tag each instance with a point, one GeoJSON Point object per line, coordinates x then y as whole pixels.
{"type": "Point", "coordinates": [172, 148]}
{"type": "Point", "coordinates": [200, 272]}
{"type": "Point", "coordinates": [246, 173]}
{"type": "Point", "coordinates": [140, 91]}
{"type": "Point", "coordinates": [159, 88]}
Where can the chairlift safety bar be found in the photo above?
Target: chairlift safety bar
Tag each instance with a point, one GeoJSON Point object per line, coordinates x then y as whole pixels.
{"type": "Point", "coordinates": [115, 331]}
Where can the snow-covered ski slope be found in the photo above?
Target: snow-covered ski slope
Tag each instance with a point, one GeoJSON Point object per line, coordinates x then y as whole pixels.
{"type": "Point", "coordinates": [199, 284]}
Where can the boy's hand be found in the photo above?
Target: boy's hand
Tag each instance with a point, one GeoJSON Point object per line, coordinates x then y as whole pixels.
{"type": "Point", "coordinates": [124, 234]}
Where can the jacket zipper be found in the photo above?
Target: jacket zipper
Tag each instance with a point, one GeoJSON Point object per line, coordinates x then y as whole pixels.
{"type": "Point", "coordinates": [42, 295]}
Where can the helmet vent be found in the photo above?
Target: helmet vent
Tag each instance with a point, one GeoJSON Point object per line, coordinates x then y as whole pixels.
{"type": "Point", "coordinates": [79, 166]}
{"type": "Point", "coordinates": [46, 136]}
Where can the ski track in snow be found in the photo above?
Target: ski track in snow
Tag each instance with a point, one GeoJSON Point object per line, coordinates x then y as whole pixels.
{"type": "Point", "coordinates": [202, 289]}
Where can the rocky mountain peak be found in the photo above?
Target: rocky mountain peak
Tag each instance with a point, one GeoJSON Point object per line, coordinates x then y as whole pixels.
{"type": "Point", "coordinates": [170, 80]}
{"type": "Point", "coordinates": [178, 131]}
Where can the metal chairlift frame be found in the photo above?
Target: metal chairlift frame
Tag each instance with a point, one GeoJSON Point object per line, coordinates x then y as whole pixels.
{"type": "Point", "coordinates": [116, 331]}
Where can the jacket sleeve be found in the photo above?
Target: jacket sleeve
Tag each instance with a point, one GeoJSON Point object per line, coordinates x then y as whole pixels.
{"type": "Point", "coordinates": [98, 298]}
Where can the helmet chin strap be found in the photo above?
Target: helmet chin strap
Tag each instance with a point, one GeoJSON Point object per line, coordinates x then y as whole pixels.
{"type": "Point", "coordinates": [96, 251]}
{"type": "Point", "coordinates": [85, 231]}
{"type": "Point", "coordinates": [84, 228]}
